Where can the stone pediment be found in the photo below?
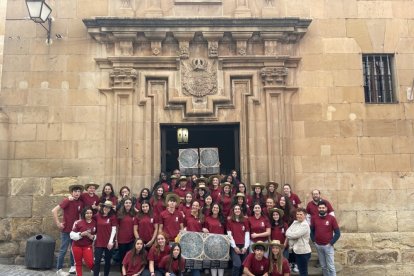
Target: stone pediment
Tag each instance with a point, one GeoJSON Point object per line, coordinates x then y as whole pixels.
{"type": "Point", "coordinates": [195, 56]}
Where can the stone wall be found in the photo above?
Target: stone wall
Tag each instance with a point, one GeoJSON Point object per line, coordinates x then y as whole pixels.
{"type": "Point", "coordinates": [54, 125]}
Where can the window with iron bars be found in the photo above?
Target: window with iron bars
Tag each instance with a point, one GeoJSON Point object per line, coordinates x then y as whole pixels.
{"type": "Point", "coordinates": [378, 78]}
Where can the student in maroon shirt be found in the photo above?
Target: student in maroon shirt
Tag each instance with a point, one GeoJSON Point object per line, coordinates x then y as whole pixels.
{"type": "Point", "coordinates": [240, 200]}
{"type": "Point", "coordinates": [143, 195]}
{"type": "Point", "coordinates": [135, 260]}
{"type": "Point", "coordinates": [173, 264]}
{"type": "Point", "coordinates": [159, 250]}
{"type": "Point", "coordinates": [183, 188]}
{"type": "Point", "coordinates": [146, 225]}
{"type": "Point", "coordinates": [241, 188]}
{"type": "Point", "coordinates": [208, 202]}
{"type": "Point", "coordinates": [125, 235]}
{"type": "Point", "coordinates": [108, 193]}
{"type": "Point", "coordinates": [106, 223]}
{"type": "Point", "coordinates": [89, 197]}
{"type": "Point", "coordinates": [83, 234]}
{"type": "Point", "coordinates": [271, 190]}
{"type": "Point", "coordinates": [215, 224]}
{"type": "Point", "coordinates": [226, 198]}
{"type": "Point", "coordinates": [288, 210]}
{"type": "Point", "coordinates": [256, 264]}
{"type": "Point", "coordinates": [194, 221]}
{"type": "Point", "coordinates": [215, 187]}
{"type": "Point", "coordinates": [294, 198]}
{"type": "Point", "coordinates": [239, 233]}
{"type": "Point", "coordinates": [202, 190]}
{"type": "Point", "coordinates": [258, 196]}
{"type": "Point", "coordinates": [186, 204]}
{"type": "Point", "coordinates": [171, 220]}
{"type": "Point", "coordinates": [270, 203]}
{"type": "Point", "coordinates": [259, 225]}
{"type": "Point", "coordinates": [324, 233]}
{"type": "Point", "coordinates": [71, 210]}
{"type": "Point", "coordinates": [278, 228]}
{"type": "Point", "coordinates": [312, 207]}
{"type": "Point", "coordinates": [157, 202]}
{"type": "Point", "coordinates": [278, 266]}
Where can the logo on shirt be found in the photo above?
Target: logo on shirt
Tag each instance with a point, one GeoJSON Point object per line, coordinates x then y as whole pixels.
{"type": "Point", "coordinates": [283, 230]}
{"type": "Point", "coordinates": [294, 202]}
{"type": "Point", "coordinates": [107, 221]}
{"type": "Point", "coordinates": [176, 219]}
{"type": "Point", "coordinates": [152, 220]}
{"type": "Point", "coordinates": [261, 267]}
{"type": "Point", "coordinates": [243, 228]}
{"type": "Point", "coordinates": [326, 222]}
{"type": "Point", "coordinates": [263, 224]}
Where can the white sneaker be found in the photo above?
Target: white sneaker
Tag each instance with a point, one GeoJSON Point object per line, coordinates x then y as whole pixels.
{"type": "Point", "coordinates": [296, 269]}
{"type": "Point", "coordinates": [60, 272]}
{"type": "Point", "coordinates": [72, 270]}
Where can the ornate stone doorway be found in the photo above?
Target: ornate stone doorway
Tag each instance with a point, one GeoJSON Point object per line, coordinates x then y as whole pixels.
{"type": "Point", "coordinates": [225, 137]}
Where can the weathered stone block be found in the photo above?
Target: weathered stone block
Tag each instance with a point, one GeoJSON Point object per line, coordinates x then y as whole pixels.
{"type": "Point", "coordinates": [347, 221]}
{"type": "Point", "coordinates": [3, 206]}
{"type": "Point", "coordinates": [49, 227]}
{"type": "Point", "coordinates": [379, 128]}
{"type": "Point", "coordinates": [22, 229]}
{"type": "Point", "coordinates": [41, 167]}
{"type": "Point", "coordinates": [319, 163]}
{"type": "Point", "coordinates": [353, 163]}
{"type": "Point", "coordinates": [322, 129]}
{"type": "Point", "coordinates": [375, 9]}
{"type": "Point", "coordinates": [371, 257]}
{"type": "Point", "coordinates": [91, 149]}
{"type": "Point", "coordinates": [5, 233]}
{"type": "Point", "coordinates": [405, 221]}
{"type": "Point", "coordinates": [354, 241]}
{"type": "Point", "coordinates": [407, 256]}
{"type": "Point", "coordinates": [386, 240]}
{"type": "Point", "coordinates": [60, 185]}
{"type": "Point", "coordinates": [393, 162]}
{"type": "Point", "coordinates": [15, 204]}
{"type": "Point", "coordinates": [43, 205]}
{"type": "Point", "coordinates": [28, 186]}
{"type": "Point", "coordinates": [61, 149]}
{"type": "Point", "coordinates": [73, 131]}
{"type": "Point", "coordinates": [316, 79]}
{"type": "Point", "coordinates": [49, 132]}
{"type": "Point", "coordinates": [340, 46]}
{"type": "Point", "coordinates": [8, 249]}
{"type": "Point", "coordinates": [364, 270]}
{"type": "Point", "coordinates": [24, 132]}
{"type": "Point", "coordinates": [22, 247]}
{"type": "Point", "coordinates": [384, 112]}
{"type": "Point", "coordinates": [308, 112]}
{"type": "Point", "coordinates": [384, 221]}
{"type": "Point", "coordinates": [375, 145]}
{"type": "Point", "coordinates": [357, 29]}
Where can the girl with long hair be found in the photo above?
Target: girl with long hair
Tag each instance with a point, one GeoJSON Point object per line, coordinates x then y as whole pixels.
{"type": "Point", "coordinates": [288, 209]}
{"type": "Point", "coordinates": [146, 225]}
{"type": "Point", "coordinates": [186, 206]}
{"type": "Point", "coordinates": [108, 193]}
{"type": "Point", "coordinates": [215, 189]}
{"type": "Point", "coordinates": [215, 224]}
{"type": "Point", "coordinates": [259, 225]}
{"type": "Point", "coordinates": [135, 260]}
{"type": "Point", "coordinates": [143, 195]}
{"type": "Point", "coordinates": [226, 198]}
{"type": "Point", "coordinates": [239, 233]}
{"type": "Point", "coordinates": [278, 265]}
{"type": "Point", "coordinates": [278, 228]}
{"type": "Point", "coordinates": [240, 200]}
{"type": "Point", "coordinates": [208, 202]}
{"type": "Point", "coordinates": [257, 196]}
{"type": "Point", "coordinates": [271, 190]}
{"type": "Point", "coordinates": [83, 234]}
{"type": "Point", "coordinates": [162, 182]}
{"type": "Point", "coordinates": [173, 264]}
{"type": "Point", "coordinates": [125, 235]}
{"type": "Point", "coordinates": [157, 202]}
{"type": "Point", "coordinates": [159, 250]}
{"type": "Point", "coordinates": [124, 193]}
{"type": "Point", "coordinates": [106, 223]}
{"type": "Point", "coordinates": [194, 220]}
{"type": "Point", "coordinates": [241, 188]}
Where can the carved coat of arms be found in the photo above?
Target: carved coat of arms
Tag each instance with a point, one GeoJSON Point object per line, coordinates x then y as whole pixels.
{"type": "Point", "coordinates": [199, 77]}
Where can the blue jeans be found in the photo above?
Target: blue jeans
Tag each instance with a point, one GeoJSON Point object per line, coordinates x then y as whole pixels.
{"type": "Point", "coordinates": [237, 262]}
{"type": "Point", "coordinates": [302, 261]}
{"type": "Point", "coordinates": [65, 242]}
{"type": "Point", "coordinates": [326, 259]}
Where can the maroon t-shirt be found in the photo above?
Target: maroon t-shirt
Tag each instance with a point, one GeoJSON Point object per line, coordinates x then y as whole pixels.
{"type": "Point", "coordinates": [152, 256]}
{"type": "Point", "coordinates": [71, 211]}
{"type": "Point", "coordinates": [226, 203]}
{"type": "Point", "coordinates": [258, 226]}
{"type": "Point", "coordinates": [285, 268]}
{"type": "Point", "coordinates": [182, 192]}
{"type": "Point", "coordinates": [82, 226]}
{"type": "Point", "coordinates": [256, 267]}
{"type": "Point", "coordinates": [214, 225]}
{"type": "Point", "coordinates": [89, 200]}
{"type": "Point", "coordinates": [279, 233]}
{"type": "Point", "coordinates": [312, 208]}
{"type": "Point", "coordinates": [126, 229]}
{"type": "Point", "coordinates": [132, 268]}
{"type": "Point", "coordinates": [186, 210]}
{"type": "Point", "coordinates": [104, 228]}
{"type": "Point", "coordinates": [295, 200]}
{"type": "Point", "coordinates": [215, 194]}
{"type": "Point", "coordinates": [324, 228]}
{"type": "Point", "coordinates": [157, 206]}
{"type": "Point", "coordinates": [146, 227]}
{"type": "Point", "coordinates": [238, 229]}
{"type": "Point", "coordinates": [193, 224]}
{"type": "Point", "coordinates": [171, 223]}
{"type": "Point", "coordinates": [176, 266]}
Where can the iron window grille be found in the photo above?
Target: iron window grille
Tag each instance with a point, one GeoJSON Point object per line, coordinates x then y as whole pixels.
{"type": "Point", "coordinates": [378, 78]}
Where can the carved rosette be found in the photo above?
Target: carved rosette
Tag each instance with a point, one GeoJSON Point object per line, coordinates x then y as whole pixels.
{"type": "Point", "coordinates": [199, 77]}
{"type": "Point", "coordinates": [123, 77]}
{"type": "Point", "coordinates": [274, 75]}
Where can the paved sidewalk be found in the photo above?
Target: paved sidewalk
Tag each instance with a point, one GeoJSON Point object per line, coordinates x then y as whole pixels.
{"type": "Point", "coordinates": [20, 270]}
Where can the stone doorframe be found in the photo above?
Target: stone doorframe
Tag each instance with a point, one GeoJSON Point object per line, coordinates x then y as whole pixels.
{"type": "Point", "coordinates": [197, 71]}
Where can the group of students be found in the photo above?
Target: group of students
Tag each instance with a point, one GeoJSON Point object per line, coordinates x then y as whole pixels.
{"type": "Point", "coordinates": [144, 229]}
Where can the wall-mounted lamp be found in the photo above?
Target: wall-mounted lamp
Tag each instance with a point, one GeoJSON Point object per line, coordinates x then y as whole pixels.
{"type": "Point", "coordinates": [40, 12]}
{"type": "Point", "coordinates": [182, 136]}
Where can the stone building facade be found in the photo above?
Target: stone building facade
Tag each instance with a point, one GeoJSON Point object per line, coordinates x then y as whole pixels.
{"type": "Point", "coordinates": [289, 73]}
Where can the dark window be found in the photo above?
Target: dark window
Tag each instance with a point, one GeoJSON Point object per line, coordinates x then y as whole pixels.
{"type": "Point", "coordinates": [378, 79]}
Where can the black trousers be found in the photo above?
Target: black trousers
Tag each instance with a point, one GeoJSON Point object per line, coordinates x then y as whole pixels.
{"type": "Point", "coordinates": [99, 251]}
